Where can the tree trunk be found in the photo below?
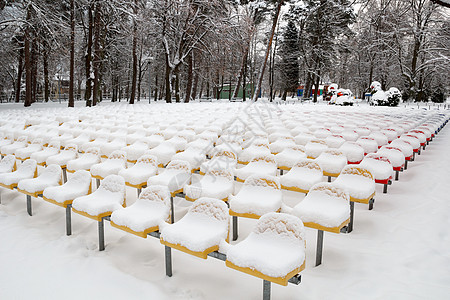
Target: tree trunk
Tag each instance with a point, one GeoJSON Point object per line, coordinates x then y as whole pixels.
{"type": "Point", "coordinates": [19, 75]}
{"type": "Point", "coordinates": [189, 80]}
{"type": "Point", "coordinates": [177, 87]}
{"type": "Point", "coordinates": [46, 79]}
{"type": "Point", "coordinates": [34, 61]}
{"type": "Point", "coordinates": [156, 87]}
{"type": "Point", "coordinates": [133, 82]}
{"type": "Point", "coordinates": [194, 89]}
{"type": "Point", "coordinates": [269, 45]}
{"type": "Point", "coordinates": [72, 53]}
{"type": "Point", "coordinates": [316, 84]}
{"type": "Point", "coordinates": [96, 62]}
{"type": "Point", "coordinates": [241, 73]}
{"type": "Point", "coordinates": [28, 72]}
{"type": "Point", "coordinates": [88, 58]}
{"type": "Point", "coordinates": [168, 79]}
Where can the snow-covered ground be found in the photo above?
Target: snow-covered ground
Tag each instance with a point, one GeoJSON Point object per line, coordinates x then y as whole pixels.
{"type": "Point", "coordinates": [399, 250]}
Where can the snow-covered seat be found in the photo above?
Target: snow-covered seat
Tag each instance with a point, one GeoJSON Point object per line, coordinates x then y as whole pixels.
{"type": "Point", "coordinates": [21, 142]}
{"type": "Point", "coordinates": [280, 144]}
{"type": "Point", "coordinates": [315, 147]}
{"type": "Point", "coordinates": [150, 210]}
{"type": "Point", "coordinates": [80, 140]}
{"type": "Point", "coordinates": [116, 144]}
{"type": "Point", "coordinates": [8, 139]}
{"type": "Point", "coordinates": [136, 136]}
{"type": "Point", "coordinates": [50, 176]}
{"type": "Point", "coordinates": [331, 161]}
{"type": "Point", "coordinates": [85, 161]}
{"type": "Point", "coordinates": [64, 137]}
{"type": "Point", "coordinates": [287, 158]}
{"type": "Point", "coordinates": [222, 160]}
{"type": "Point", "coordinates": [274, 251]}
{"type": "Point", "coordinates": [79, 184]}
{"type": "Point", "coordinates": [256, 149]}
{"type": "Point", "coordinates": [334, 141]}
{"type": "Point", "coordinates": [325, 208]}
{"type": "Point", "coordinates": [98, 143]}
{"type": "Point", "coordinates": [52, 149]}
{"type": "Point", "coordinates": [303, 175]}
{"type": "Point", "coordinates": [116, 161]}
{"type": "Point", "coordinates": [413, 141]}
{"type": "Point", "coordinates": [349, 135]}
{"type": "Point", "coordinates": [61, 159]}
{"type": "Point", "coordinates": [25, 153]}
{"type": "Point", "coordinates": [154, 140]}
{"type": "Point", "coordinates": [358, 182]}
{"type": "Point", "coordinates": [26, 170]}
{"type": "Point", "coordinates": [406, 148]}
{"type": "Point", "coordinates": [175, 176]}
{"type": "Point", "coordinates": [102, 202]}
{"type": "Point", "coordinates": [369, 144]}
{"type": "Point", "coordinates": [261, 165]}
{"type": "Point", "coordinates": [8, 164]}
{"type": "Point", "coordinates": [201, 230]}
{"type": "Point", "coordinates": [195, 156]}
{"type": "Point", "coordinates": [179, 142]}
{"type": "Point", "coordinates": [420, 135]}
{"type": "Point", "coordinates": [164, 152]}
{"type": "Point", "coordinates": [135, 150]}
{"type": "Point", "coordinates": [395, 156]}
{"type": "Point", "coordinates": [217, 184]}
{"type": "Point", "coordinates": [380, 167]}
{"type": "Point", "coordinates": [109, 197]}
{"type": "Point", "coordinates": [380, 138]}
{"type": "Point", "coordinates": [303, 138]}
{"type": "Point", "coordinates": [353, 151]}
{"type": "Point", "coordinates": [137, 176]}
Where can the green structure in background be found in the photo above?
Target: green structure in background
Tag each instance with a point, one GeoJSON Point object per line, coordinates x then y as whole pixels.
{"type": "Point", "coordinates": [226, 91]}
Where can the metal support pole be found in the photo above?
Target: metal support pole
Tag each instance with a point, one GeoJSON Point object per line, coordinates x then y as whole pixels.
{"type": "Point", "coordinates": [319, 247]}
{"type": "Point", "coordinates": [172, 213]}
{"type": "Point", "coordinates": [235, 228]}
{"type": "Point", "coordinates": [329, 178]}
{"type": "Point", "coordinates": [168, 256]}
{"type": "Point", "coordinates": [29, 205]}
{"type": "Point", "coordinates": [352, 213]}
{"type": "Point", "coordinates": [281, 171]}
{"type": "Point", "coordinates": [396, 175]}
{"type": "Point", "coordinates": [139, 192]}
{"type": "Point", "coordinates": [64, 173]}
{"type": "Point", "coordinates": [0, 198]}
{"type": "Point", "coordinates": [266, 290]}
{"type": "Point", "coordinates": [385, 188]}
{"type": "Point", "coordinates": [101, 235]}
{"type": "Point", "coordinates": [69, 219]}
{"type": "Point", "coordinates": [371, 202]}
{"type": "Point", "coordinates": [406, 164]}
{"type": "Point", "coordinates": [98, 182]}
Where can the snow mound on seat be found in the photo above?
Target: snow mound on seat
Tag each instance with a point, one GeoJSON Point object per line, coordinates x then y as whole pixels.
{"type": "Point", "coordinates": [77, 186]}
{"type": "Point", "coordinates": [275, 248]}
{"type": "Point", "coordinates": [204, 226]}
{"type": "Point", "coordinates": [49, 177]}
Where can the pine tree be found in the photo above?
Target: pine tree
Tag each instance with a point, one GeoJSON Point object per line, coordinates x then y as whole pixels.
{"type": "Point", "coordinates": [289, 53]}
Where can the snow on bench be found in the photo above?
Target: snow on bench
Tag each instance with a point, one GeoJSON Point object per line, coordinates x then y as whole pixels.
{"type": "Point", "coordinates": [222, 160]}
{"type": "Point", "coordinates": [217, 184]}
{"type": "Point", "coordinates": [287, 158]}
{"type": "Point", "coordinates": [380, 167]}
{"type": "Point", "coordinates": [175, 176]}
{"type": "Point", "coordinates": [137, 176]}
{"type": "Point", "coordinates": [331, 161]}
{"type": "Point", "coordinates": [84, 161]}
{"type": "Point", "coordinates": [261, 164]}
{"type": "Point", "coordinates": [113, 165]}
{"type": "Point", "coordinates": [303, 175]}
{"type": "Point", "coordinates": [315, 147]}
{"type": "Point", "coordinates": [52, 149]}
{"type": "Point", "coordinates": [150, 210]}
{"type": "Point", "coordinates": [25, 153]}
{"type": "Point", "coordinates": [325, 208]}
{"type": "Point", "coordinates": [21, 142]}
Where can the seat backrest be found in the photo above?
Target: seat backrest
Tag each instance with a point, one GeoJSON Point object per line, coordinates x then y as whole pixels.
{"type": "Point", "coordinates": [377, 157]}
{"type": "Point", "coordinates": [326, 188]}
{"type": "Point", "coordinates": [228, 174]}
{"type": "Point", "coordinates": [52, 171]}
{"type": "Point", "coordinates": [148, 159]}
{"type": "Point", "coordinates": [334, 152]}
{"type": "Point", "coordinates": [54, 144]}
{"type": "Point", "coordinates": [281, 224]}
{"type": "Point", "coordinates": [80, 178]}
{"type": "Point", "coordinates": [270, 159]}
{"type": "Point", "coordinates": [157, 193]}
{"type": "Point", "coordinates": [113, 184]}
{"type": "Point", "coordinates": [8, 162]}
{"type": "Point", "coordinates": [226, 153]}
{"type": "Point", "coordinates": [22, 139]}
{"type": "Point", "coordinates": [359, 171]}
{"type": "Point", "coordinates": [307, 164]}
{"type": "Point", "coordinates": [118, 154]}
{"type": "Point", "coordinates": [211, 207]}
{"type": "Point", "coordinates": [179, 165]}
{"type": "Point", "coordinates": [263, 181]}
{"type": "Point", "coordinates": [28, 165]}
{"type": "Point", "coordinates": [298, 148]}
{"type": "Point", "coordinates": [71, 147]}
{"type": "Point", "coordinates": [93, 150]}
{"type": "Point", "coordinates": [37, 141]}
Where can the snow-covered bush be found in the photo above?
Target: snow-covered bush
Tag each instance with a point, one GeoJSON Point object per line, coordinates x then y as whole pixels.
{"type": "Point", "coordinates": [391, 97]}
